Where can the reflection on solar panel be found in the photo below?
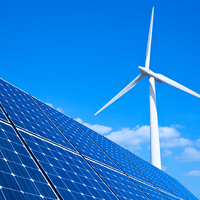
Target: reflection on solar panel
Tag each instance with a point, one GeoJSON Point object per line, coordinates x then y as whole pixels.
{"type": "Point", "coordinates": [45, 154]}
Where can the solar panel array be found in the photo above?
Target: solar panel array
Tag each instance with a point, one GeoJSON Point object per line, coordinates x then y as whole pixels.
{"type": "Point", "coordinates": [45, 154]}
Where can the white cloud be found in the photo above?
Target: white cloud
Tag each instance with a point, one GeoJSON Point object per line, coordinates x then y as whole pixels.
{"type": "Point", "coordinates": [96, 127]}
{"type": "Point", "coordinates": [59, 109]}
{"type": "Point", "coordinates": [49, 104]}
{"type": "Point", "coordinates": [175, 142]}
{"type": "Point", "coordinates": [168, 132]}
{"type": "Point", "coordinates": [198, 142]}
{"type": "Point", "coordinates": [164, 168]}
{"type": "Point", "coordinates": [189, 154]}
{"type": "Point", "coordinates": [169, 137]}
{"type": "Point", "coordinates": [166, 152]}
{"type": "Point", "coordinates": [193, 173]}
{"type": "Point", "coordinates": [131, 138]}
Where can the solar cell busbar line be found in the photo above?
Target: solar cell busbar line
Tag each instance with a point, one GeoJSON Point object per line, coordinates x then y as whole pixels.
{"type": "Point", "coordinates": [45, 154]}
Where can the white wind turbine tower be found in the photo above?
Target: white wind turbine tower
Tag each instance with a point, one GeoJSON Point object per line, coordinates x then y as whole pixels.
{"type": "Point", "coordinates": [154, 134]}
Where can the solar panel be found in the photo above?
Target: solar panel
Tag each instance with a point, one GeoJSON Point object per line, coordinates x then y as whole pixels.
{"type": "Point", "coordinates": [2, 115]}
{"type": "Point", "coordinates": [115, 155]}
{"type": "Point", "coordinates": [26, 114]}
{"type": "Point", "coordinates": [177, 185]}
{"type": "Point", "coordinates": [169, 184]}
{"type": "Point", "coordinates": [20, 178]}
{"type": "Point", "coordinates": [69, 172]}
{"type": "Point", "coordinates": [123, 187]}
{"type": "Point", "coordinates": [152, 192]}
{"type": "Point", "coordinates": [145, 165]}
{"type": "Point", "coordinates": [45, 154]}
{"type": "Point", "coordinates": [76, 135]}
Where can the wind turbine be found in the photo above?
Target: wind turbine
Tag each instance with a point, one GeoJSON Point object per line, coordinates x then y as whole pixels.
{"type": "Point", "coordinates": [154, 134]}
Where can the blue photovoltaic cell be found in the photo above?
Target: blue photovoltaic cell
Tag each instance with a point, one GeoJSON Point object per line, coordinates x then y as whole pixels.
{"type": "Point", "coordinates": [70, 173]}
{"type": "Point", "coordinates": [143, 168]}
{"type": "Point", "coordinates": [153, 180]}
{"type": "Point", "coordinates": [2, 116]}
{"type": "Point", "coordinates": [77, 136]}
{"type": "Point", "coordinates": [177, 185]}
{"type": "Point", "coordinates": [114, 154]}
{"type": "Point", "coordinates": [25, 113]}
{"type": "Point", "coordinates": [170, 197]}
{"type": "Point", "coordinates": [153, 170]}
{"type": "Point", "coordinates": [151, 192]}
{"type": "Point", "coordinates": [123, 187]}
{"type": "Point", "coordinates": [20, 178]}
{"type": "Point", "coordinates": [176, 188]}
{"type": "Point", "coordinates": [105, 145]}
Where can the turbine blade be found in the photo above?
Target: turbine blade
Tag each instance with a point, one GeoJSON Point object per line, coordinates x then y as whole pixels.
{"type": "Point", "coordinates": [161, 78]}
{"type": "Point", "coordinates": [126, 89]}
{"type": "Point", "coordinates": [149, 41]}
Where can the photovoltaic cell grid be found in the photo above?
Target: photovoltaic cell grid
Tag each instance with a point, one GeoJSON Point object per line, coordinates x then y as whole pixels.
{"type": "Point", "coordinates": [162, 178]}
{"type": "Point", "coordinates": [114, 154]}
{"type": "Point", "coordinates": [144, 164]}
{"type": "Point", "coordinates": [2, 116]}
{"type": "Point", "coordinates": [72, 176]}
{"type": "Point", "coordinates": [120, 184]}
{"type": "Point", "coordinates": [20, 178]}
{"type": "Point", "coordinates": [63, 122]}
{"type": "Point", "coordinates": [176, 184]}
{"type": "Point", "coordinates": [76, 135]}
{"type": "Point", "coordinates": [25, 113]}
{"type": "Point", "coordinates": [176, 190]}
{"type": "Point", "coordinates": [153, 179]}
{"type": "Point", "coordinates": [57, 116]}
{"type": "Point", "coordinates": [153, 193]}
{"type": "Point", "coordinates": [146, 168]}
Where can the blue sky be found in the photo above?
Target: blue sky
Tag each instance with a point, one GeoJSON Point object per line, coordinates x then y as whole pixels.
{"type": "Point", "coordinates": [77, 55]}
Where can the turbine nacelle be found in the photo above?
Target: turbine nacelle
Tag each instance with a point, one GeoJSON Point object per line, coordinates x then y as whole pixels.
{"type": "Point", "coordinates": [149, 73]}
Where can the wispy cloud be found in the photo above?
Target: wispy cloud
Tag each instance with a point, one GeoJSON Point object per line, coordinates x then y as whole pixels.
{"type": "Point", "coordinates": [175, 142]}
{"type": "Point", "coordinates": [166, 152]}
{"type": "Point", "coordinates": [49, 104]}
{"type": "Point", "coordinates": [169, 137]}
{"type": "Point", "coordinates": [197, 143]}
{"type": "Point", "coordinates": [133, 138]}
{"type": "Point", "coordinates": [193, 173]}
{"type": "Point", "coordinates": [130, 138]}
{"type": "Point", "coordinates": [164, 168]}
{"type": "Point", "coordinates": [96, 127]}
{"type": "Point", "coordinates": [168, 132]}
{"type": "Point", "coordinates": [189, 154]}
{"type": "Point", "coordinates": [59, 109]}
